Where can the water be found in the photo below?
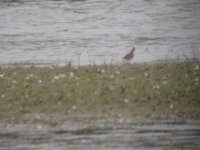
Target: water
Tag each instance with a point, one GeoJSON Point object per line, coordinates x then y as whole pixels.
{"type": "Point", "coordinates": [137, 137]}
{"type": "Point", "coordinates": [97, 31]}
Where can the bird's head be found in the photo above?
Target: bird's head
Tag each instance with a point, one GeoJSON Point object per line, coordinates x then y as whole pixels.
{"type": "Point", "coordinates": [133, 49]}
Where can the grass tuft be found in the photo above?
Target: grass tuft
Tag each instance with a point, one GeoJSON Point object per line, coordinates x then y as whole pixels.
{"type": "Point", "coordinates": [148, 90]}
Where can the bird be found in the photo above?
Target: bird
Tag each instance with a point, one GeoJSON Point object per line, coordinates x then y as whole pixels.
{"type": "Point", "coordinates": [130, 55]}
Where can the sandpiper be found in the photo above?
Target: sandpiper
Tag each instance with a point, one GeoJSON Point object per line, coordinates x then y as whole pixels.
{"type": "Point", "coordinates": [130, 55]}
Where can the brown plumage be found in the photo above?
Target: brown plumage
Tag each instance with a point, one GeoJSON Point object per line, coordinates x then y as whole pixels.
{"type": "Point", "coordinates": [130, 55]}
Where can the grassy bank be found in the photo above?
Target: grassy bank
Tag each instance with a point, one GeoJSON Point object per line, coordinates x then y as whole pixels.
{"type": "Point", "coordinates": [151, 91]}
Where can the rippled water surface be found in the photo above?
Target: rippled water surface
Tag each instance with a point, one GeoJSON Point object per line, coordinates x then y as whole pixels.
{"type": "Point", "coordinates": [139, 137]}
{"type": "Point", "coordinates": [97, 31]}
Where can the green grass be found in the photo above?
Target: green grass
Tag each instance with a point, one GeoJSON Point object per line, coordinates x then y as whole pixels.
{"type": "Point", "coordinates": [159, 90]}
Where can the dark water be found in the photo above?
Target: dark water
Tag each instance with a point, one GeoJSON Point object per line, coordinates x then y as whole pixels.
{"type": "Point", "coordinates": [97, 31]}
{"type": "Point", "coordinates": [137, 137]}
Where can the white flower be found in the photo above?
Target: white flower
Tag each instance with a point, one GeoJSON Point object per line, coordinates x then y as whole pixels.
{"type": "Point", "coordinates": [103, 71]}
{"type": "Point", "coordinates": [121, 120]}
{"type": "Point", "coordinates": [71, 75]}
{"type": "Point", "coordinates": [59, 103]}
{"type": "Point", "coordinates": [29, 76]}
{"type": "Point", "coordinates": [14, 81]}
{"type": "Point", "coordinates": [83, 141]}
{"type": "Point", "coordinates": [196, 67]}
{"type": "Point", "coordinates": [56, 77]}
{"type": "Point", "coordinates": [196, 79]}
{"type": "Point", "coordinates": [111, 76]}
{"type": "Point", "coordinates": [2, 96]}
{"type": "Point", "coordinates": [156, 87]}
{"type": "Point", "coordinates": [119, 115]}
{"type": "Point", "coordinates": [1, 75]}
{"type": "Point", "coordinates": [117, 72]}
{"type": "Point", "coordinates": [111, 88]}
{"type": "Point", "coordinates": [62, 75]}
{"type": "Point", "coordinates": [126, 101]}
{"type": "Point", "coordinates": [39, 127]}
{"type": "Point", "coordinates": [96, 92]}
{"type": "Point", "coordinates": [165, 82]}
{"type": "Point", "coordinates": [146, 74]}
{"type": "Point", "coordinates": [40, 81]}
{"type": "Point", "coordinates": [74, 107]}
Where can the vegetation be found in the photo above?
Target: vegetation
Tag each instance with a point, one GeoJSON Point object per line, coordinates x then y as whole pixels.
{"type": "Point", "coordinates": [152, 91]}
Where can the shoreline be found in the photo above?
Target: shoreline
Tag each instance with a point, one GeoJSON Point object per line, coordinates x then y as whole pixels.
{"type": "Point", "coordinates": [69, 64]}
{"type": "Point", "coordinates": [75, 124]}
